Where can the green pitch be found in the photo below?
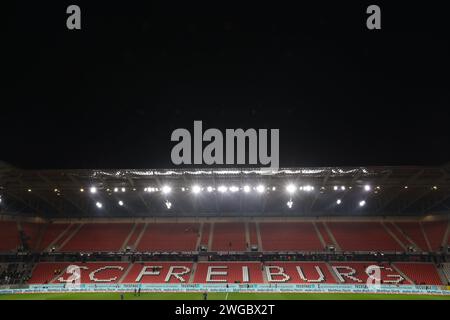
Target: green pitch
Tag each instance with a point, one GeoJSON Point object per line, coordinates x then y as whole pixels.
{"type": "Point", "coordinates": [220, 296]}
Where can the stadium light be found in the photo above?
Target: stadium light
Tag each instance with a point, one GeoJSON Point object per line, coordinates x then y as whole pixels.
{"type": "Point", "coordinates": [116, 189]}
{"type": "Point", "coordinates": [234, 189]}
{"type": "Point", "coordinates": [343, 188]}
{"type": "Point", "coordinates": [81, 190]}
{"type": "Point", "coordinates": [338, 201]}
{"type": "Point", "coordinates": [99, 205]}
{"type": "Point", "coordinates": [1, 199]}
{"type": "Point", "coordinates": [210, 189]}
{"type": "Point", "coordinates": [290, 188]}
{"type": "Point", "coordinates": [367, 187]}
{"type": "Point", "coordinates": [168, 204]}
{"type": "Point", "coordinates": [260, 188]}
{"type": "Point", "coordinates": [290, 204]}
{"type": "Point", "coordinates": [120, 203]}
{"type": "Point", "coordinates": [166, 189]}
{"type": "Point", "coordinates": [196, 189]}
{"type": "Point", "coordinates": [123, 189]}
{"type": "Point", "coordinates": [93, 190]}
{"type": "Point", "coordinates": [335, 188]}
{"type": "Point", "coordinates": [222, 189]}
{"type": "Point", "coordinates": [308, 188]}
{"type": "Point", "coordinates": [246, 189]}
{"type": "Point", "coordinates": [362, 203]}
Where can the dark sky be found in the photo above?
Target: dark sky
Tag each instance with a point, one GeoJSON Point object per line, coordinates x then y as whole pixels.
{"type": "Point", "coordinates": [110, 95]}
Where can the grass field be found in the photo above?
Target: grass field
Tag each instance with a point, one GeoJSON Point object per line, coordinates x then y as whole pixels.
{"type": "Point", "coordinates": [220, 296]}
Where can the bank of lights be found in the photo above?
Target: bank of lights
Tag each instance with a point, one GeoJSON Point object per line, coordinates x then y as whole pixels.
{"type": "Point", "coordinates": [196, 189]}
{"type": "Point", "coordinates": [99, 205]}
{"type": "Point", "coordinates": [120, 203]}
{"type": "Point", "coordinates": [362, 203]}
{"type": "Point", "coordinates": [290, 188]}
{"type": "Point", "coordinates": [260, 188]}
{"type": "Point", "coordinates": [166, 189]}
{"type": "Point", "coordinates": [290, 203]}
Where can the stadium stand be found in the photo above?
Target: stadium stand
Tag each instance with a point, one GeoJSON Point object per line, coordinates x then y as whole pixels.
{"type": "Point", "coordinates": [446, 270]}
{"type": "Point", "coordinates": [253, 237]}
{"type": "Point", "coordinates": [363, 236]}
{"type": "Point", "coordinates": [296, 236]}
{"type": "Point", "coordinates": [229, 272]}
{"type": "Point", "coordinates": [9, 236]}
{"type": "Point", "coordinates": [133, 237]}
{"type": "Point", "coordinates": [356, 272]}
{"type": "Point", "coordinates": [298, 272]}
{"type": "Point", "coordinates": [169, 237]}
{"type": "Point", "coordinates": [50, 233]}
{"type": "Point", "coordinates": [205, 234]}
{"type": "Point", "coordinates": [435, 231]}
{"type": "Point", "coordinates": [159, 272]}
{"type": "Point", "coordinates": [93, 237]}
{"type": "Point", "coordinates": [420, 273]}
{"type": "Point", "coordinates": [229, 237]}
{"type": "Point", "coordinates": [398, 234]}
{"type": "Point", "coordinates": [324, 233]}
{"type": "Point", "coordinates": [414, 231]}
{"type": "Point", "coordinates": [32, 233]}
{"type": "Point", "coordinates": [92, 272]}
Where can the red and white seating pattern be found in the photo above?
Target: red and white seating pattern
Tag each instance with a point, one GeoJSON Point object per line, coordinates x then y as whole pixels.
{"type": "Point", "coordinates": [159, 272]}
{"type": "Point", "coordinates": [235, 272]}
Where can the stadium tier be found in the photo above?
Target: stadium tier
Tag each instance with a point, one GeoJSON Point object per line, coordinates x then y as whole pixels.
{"type": "Point", "coordinates": [235, 272]}
{"type": "Point", "coordinates": [263, 236]}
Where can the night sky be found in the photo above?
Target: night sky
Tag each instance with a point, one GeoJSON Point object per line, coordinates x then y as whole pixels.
{"type": "Point", "coordinates": [110, 95]}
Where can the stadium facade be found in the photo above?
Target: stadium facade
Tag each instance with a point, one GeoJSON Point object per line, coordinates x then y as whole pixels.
{"type": "Point", "coordinates": [220, 228]}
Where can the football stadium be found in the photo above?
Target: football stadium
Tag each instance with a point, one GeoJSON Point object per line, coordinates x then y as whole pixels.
{"type": "Point", "coordinates": [225, 234]}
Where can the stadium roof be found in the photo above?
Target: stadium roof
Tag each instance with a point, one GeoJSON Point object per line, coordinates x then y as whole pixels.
{"type": "Point", "coordinates": [321, 191]}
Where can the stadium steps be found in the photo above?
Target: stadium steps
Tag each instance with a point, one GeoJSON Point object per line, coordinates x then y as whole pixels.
{"type": "Point", "coordinates": [211, 235]}
{"type": "Point", "coordinates": [446, 271]}
{"type": "Point", "coordinates": [401, 273]}
{"type": "Point", "coordinates": [42, 232]}
{"type": "Point", "coordinates": [55, 242]}
{"type": "Point", "coordinates": [264, 275]}
{"type": "Point", "coordinates": [443, 275]}
{"type": "Point", "coordinates": [446, 239]}
{"type": "Point", "coordinates": [200, 237]}
{"type": "Point", "coordinates": [392, 234]}
{"type": "Point", "coordinates": [331, 271]}
{"type": "Point", "coordinates": [127, 239]}
{"type": "Point", "coordinates": [192, 275]}
{"type": "Point", "coordinates": [425, 237]}
{"type": "Point", "coordinates": [330, 234]}
{"type": "Point", "coordinates": [319, 235]}
{"type": "Point", "coordinates": [125, 274]}
{"type": "Point", "coordinates": [406, 236]}
{"type": "Point", "coordinates": [258, 235]}
{"type": "Point", "coordinates": [141, 234]}
{"type": "Point", "coordinates": [247, 236]}
{"type": "Point", "coordinates": [70, 236]}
